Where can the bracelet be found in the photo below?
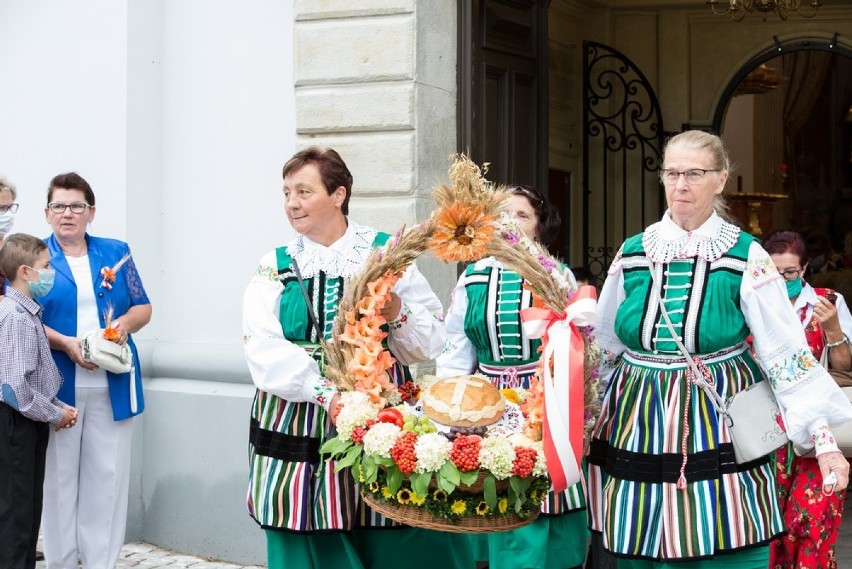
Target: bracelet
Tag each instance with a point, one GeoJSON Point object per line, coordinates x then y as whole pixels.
{"type": "Point", "coordinates": [840, 342]}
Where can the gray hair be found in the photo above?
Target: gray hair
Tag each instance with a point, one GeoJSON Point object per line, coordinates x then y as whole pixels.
{"type": "Point", "coordinates": [7, 186]}
{"type": "Point", "coordinates": [715, 147]}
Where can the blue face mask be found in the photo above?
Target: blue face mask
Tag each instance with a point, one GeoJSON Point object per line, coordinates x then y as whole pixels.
{"type": "Point", "coordinates": [794, 287]}
{"type": "Point", "coordinates": [44, 284]}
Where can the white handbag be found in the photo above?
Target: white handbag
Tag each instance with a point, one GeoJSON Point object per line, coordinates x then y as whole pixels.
{"type": "Point", "coordinates": [107, 355]}
{"type": "Point", "coordinates": [754, 422]}
{"type": "Point", "coordinates": [752, 415]}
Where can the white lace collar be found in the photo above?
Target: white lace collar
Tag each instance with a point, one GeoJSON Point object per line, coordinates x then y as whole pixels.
{"type": "Point", "coordinates": [487, 262]}
{"type": "Point", "coordinates": [665, 240]}
{"type": "Point", "coordinates": [343, 258]}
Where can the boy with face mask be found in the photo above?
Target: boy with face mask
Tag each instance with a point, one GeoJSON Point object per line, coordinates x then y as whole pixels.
{"type": "Point", "coordinates": [29, 382]}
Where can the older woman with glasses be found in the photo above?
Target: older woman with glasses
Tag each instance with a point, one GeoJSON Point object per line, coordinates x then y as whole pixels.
{"type": "Point", "coordinates": [88, 468]}
{"type": "Point", "coordinates": [497, 347]}
{"type": "Point", "coordinates": [812, 517]}
{"type": "Point", "coordinates": [664, 487]}
{"type": "Point", "coordinates": [8, 207]}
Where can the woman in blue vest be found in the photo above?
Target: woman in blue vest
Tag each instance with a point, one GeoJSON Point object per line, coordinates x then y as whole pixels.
{"type": "Point", "coordinates": [88, 468]}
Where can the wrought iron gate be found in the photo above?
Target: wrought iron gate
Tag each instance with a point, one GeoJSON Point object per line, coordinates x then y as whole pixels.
{"type": "Point", "coordinates": [622, 145]}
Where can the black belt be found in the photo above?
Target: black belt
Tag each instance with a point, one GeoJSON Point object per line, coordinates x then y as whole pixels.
{"type": "Point", "coordinates": [659, 468]}
{"type": "Point", "coordinates": [288, 448]}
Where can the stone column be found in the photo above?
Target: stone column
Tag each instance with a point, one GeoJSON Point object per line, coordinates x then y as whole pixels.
{"type": "Point", "coordinates": [376, 80]}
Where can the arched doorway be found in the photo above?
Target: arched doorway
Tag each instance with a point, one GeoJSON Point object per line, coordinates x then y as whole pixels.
{"type": "Point", "coordinates": [787, 116]}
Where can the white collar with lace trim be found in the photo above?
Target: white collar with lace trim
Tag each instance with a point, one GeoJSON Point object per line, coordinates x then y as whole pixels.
{"type": "Point", "coordinates": [665, 240]}
{"type": "Point", "coordinates": [807, 297]}
{"type": "Point", "coordinates": [343, 258]}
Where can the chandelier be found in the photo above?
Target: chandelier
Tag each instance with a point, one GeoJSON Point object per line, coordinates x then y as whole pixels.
{"type": "Point", "coordinates": [760, 80]}
{"type": "Point", "coordinates": [737, 9]}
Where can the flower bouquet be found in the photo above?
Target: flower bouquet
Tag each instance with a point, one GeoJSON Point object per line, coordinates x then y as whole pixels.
{"type": "Point", "coordinates": [469, 473]}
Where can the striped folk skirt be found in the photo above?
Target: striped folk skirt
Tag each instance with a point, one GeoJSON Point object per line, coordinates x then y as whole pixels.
{"type": "Point", "coordinates": [654, 430]}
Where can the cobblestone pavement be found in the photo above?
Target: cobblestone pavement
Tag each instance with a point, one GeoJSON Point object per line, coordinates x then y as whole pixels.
{"type": "Point", "coordinates": [145, 556]}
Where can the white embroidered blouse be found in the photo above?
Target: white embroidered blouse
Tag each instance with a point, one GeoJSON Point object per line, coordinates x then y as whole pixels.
{"type": "Point", "coordinates": [284, 369]}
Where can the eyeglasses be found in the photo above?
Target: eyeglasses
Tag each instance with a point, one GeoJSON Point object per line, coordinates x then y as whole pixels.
{"type": "Point", "coordinates": [692, 176]}
{"type": "Point", "coordinates": [532, 195]}
{"type": "Point", "coordinates": [76, 207]}
{"type": "Point", "coordinates": [11, 208]}
{"type": "Point", "coordinates": [791, 274]}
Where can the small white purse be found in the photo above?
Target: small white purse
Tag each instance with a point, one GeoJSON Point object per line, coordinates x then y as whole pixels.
{"type": "Point", "coordinates": [754, 420]}
{"type": "Point", "coordinates": [105, 354]}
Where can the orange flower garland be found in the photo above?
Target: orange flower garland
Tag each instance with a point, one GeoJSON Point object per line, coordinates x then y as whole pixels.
{"type": "Point", "coordinates": [368, 361]}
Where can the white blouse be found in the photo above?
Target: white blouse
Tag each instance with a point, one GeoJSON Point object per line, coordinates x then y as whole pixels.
{"type": "Point", "coordinates": [284, 369]}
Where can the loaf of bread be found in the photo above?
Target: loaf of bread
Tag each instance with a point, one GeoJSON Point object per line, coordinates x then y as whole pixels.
{"type": "Point", "coordinates": [463, 401]}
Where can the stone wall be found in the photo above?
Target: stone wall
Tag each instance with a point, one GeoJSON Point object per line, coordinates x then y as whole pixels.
{"type": "Point", "coordinates": [377, 81]}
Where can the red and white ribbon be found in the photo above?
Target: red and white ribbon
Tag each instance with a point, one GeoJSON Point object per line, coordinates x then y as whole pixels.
{"type": "Point", "coordinates": [564, 409]}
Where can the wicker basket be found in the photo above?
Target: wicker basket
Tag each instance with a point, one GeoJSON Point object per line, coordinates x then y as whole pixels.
{"type": "Point", "coordinates": [420, 518]}
{"type": "Point", "coordinates": [477, 486]}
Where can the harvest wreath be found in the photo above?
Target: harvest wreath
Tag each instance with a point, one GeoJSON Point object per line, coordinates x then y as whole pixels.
{"type": "Point", "coordinates": [456, 454]}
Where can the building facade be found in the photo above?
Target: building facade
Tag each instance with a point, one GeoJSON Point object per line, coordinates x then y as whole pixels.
{"type": "Point", "coordinates": [181, 113]}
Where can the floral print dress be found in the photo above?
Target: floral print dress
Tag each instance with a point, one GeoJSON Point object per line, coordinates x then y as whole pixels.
{"type": "Point", "coordinates": [811, 517]}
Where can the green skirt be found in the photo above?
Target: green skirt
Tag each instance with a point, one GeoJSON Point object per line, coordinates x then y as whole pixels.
{"type": "Point", "coordinates": [412, 548]}
{"type": "Point", "coordinates": [752, 558]}
{"type": "Point", "coordinates": [290, 550]}
{"type": "Point", "coordinates": [550, 542]}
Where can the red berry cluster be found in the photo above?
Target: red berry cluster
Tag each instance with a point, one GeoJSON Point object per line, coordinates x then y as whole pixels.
{"type": "Point", "coordinates": [524, 461]}
{"type": "Point", "coordinates": [402, 452]}
{"type": "Point", "coordinates": [465, 452]}
{"type": "Point", "coordinates": [336, 411]}
{"type": "Point", "coordinates": [409, 391]}
{"type": "Point", "coordinates": [358, 433]}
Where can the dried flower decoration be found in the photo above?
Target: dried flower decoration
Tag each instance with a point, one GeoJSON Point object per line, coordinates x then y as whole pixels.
{"type": "Point", "coordinates": [110, 333]}
{"type": "Point", "coordinates": [108, 273]}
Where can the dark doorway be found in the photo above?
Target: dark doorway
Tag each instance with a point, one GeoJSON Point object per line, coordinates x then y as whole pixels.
{"type": "Point", "coordinates": [503, 88]}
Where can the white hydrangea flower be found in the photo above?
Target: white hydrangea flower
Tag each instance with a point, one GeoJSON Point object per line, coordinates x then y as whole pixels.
{"type": "Point", "coordinates": [540, 468]}
{"type": "Point", "coordinates": [393, 397]}
{"type": "Point", "coordinates": [497, 455]}
{"type": "Point", "coordinates": [380, 439]}
{"type": "Point", "coordinates": [356, 411]}
{"type": "Point", "coordinates": [432, 451]}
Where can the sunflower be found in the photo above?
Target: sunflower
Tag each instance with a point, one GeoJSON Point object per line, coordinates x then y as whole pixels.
{"type": "Point", "coordinates": [374, 486]}
{"type": "Point", "coordinates": [404, 496]}
{"type": "Point", "coordinates": [386, 493]}
{"type": "Point", "coordinates": [481, 509]}
{"type": "Point", "coordinates": [440, 495]}
{"type": "Point", "coordinates": [459, 507]}
{"type": "Point", "coordinates": [502, 505]}
{"type": "Point", "coordinates": [417, 500]}
{"type": "Point", "coordinates": [462, 232]}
